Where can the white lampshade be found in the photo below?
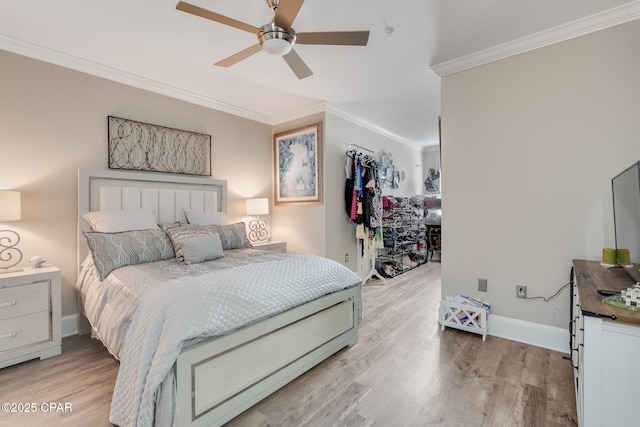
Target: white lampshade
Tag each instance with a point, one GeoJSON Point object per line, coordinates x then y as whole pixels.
{"type": "Point", "coordinates": [10, 206]}
{"type": "Point", "coordinates": [258, 206]}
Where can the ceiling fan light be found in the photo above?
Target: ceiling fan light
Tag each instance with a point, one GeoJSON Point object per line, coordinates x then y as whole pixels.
{"type": "Point", "coordinates": [276, 40]}
{"type": "Point", "coordinates": [276, 46]}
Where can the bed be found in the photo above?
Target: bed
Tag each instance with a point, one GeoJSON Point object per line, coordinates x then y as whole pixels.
{"type": "Point", "coordinates": [199, 340]}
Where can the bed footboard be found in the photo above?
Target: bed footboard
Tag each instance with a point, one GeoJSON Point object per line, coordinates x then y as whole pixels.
{"type": "Point", "coordinates": [219, 379]}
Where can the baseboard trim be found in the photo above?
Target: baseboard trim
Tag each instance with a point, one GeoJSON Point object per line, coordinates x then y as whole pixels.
{"type": "Point", "coordinates": [545, 336]}
{"type": "Point", "coordinates": [69, 325]}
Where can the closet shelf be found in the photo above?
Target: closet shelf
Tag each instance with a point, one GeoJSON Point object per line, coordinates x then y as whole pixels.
{"type": "Point", "coordinates": [404, 236]}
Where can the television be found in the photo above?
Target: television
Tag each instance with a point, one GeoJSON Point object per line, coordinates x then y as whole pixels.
{"type": "Point", "coordinates": [626, 215]}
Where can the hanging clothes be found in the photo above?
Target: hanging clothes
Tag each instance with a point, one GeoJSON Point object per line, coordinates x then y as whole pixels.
{"type": "Point", "coordinates": [348, 187]}
{"type": "Point", "coordinates": [363, 199]}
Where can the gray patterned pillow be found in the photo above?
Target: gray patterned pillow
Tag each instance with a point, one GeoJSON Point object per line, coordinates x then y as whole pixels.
{"type": "Point", "coordinates": [232, 236]}
{"type": "Point", "coordinates": [114, 250]}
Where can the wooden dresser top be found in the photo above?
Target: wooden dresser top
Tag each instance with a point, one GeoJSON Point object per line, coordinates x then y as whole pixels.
{"type": "Point", "coordinates": [591, 276]}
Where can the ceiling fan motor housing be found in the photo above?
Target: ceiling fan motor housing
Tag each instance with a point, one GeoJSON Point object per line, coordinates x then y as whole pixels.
{"type": "Point", "coordinates": [276, 40]}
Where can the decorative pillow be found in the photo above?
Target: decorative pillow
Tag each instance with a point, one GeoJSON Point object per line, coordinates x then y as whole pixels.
{"type": "Point", "coordinates": [114, 250]}
{"type": "Point", "coordinates": [233, 236]}
{"type": "Point", "coordinates": [166, 227]}
{"type": "Point", "coordinates": [198, 247]}
{"type": "Point", "coordinates": [205, 218]}
{"type": "Point", "coordinates": [195, 243]}
{"type": "Point", "coordinates": [124, 220]}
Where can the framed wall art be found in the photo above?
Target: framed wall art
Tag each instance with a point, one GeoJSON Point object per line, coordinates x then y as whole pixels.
{"type": "Point", "coordinates": [146, 147]}
{"type": "Point", "coordinates": [298, 165]}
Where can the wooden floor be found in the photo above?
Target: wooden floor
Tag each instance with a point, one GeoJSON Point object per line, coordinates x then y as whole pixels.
{"type": "Point", "coordinates": [404, 371]}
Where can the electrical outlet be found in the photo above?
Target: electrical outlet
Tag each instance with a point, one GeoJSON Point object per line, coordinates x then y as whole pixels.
{"type": "Point", "coordinates": [346, 257]}
{"type": "Point", "coordinates": [482, 285]}
{"type": "Point", "coordinates": [521, 291]}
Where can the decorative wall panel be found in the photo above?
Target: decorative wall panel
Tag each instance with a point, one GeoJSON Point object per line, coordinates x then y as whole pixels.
{"type": "Point", "coordinates": [146, 147]}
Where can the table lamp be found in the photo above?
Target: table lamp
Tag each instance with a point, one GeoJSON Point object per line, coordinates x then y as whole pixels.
{"type": "Point", "coordinates": [258, 228]}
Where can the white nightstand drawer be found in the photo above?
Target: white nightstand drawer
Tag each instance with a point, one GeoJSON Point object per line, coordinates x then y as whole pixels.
{"type": "Point", "coordinates": [21, 300]}
{"type": "Point", "coordinates": [29, 315]}
{"type": "Point", "coordinates": [24, 330]}
{"type": "Point", "coordinates": [271, 246]}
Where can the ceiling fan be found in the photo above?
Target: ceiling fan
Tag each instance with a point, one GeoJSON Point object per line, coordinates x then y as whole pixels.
{"type": "Point", "coordinates": [278, 36]}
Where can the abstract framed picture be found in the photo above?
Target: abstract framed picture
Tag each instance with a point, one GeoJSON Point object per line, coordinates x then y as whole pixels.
{"type": "Point", "coordinates": [298, 165]}
{"type": "Point", "coordinates": [146, 147]}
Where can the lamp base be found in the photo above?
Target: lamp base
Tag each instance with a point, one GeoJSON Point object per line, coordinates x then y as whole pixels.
{"type": "Point", "coordinates": [8, 248]}
{"type": "Point", "coordinates": [258, 231]}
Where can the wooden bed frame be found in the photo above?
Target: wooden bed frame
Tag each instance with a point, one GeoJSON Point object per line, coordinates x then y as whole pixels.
{"type": "Point", "coordinates": [219, 378]}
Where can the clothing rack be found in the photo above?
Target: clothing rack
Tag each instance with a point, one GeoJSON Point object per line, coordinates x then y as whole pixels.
{"type": "Point", "coordinates": [351, 145]}
{"type": "Point", "coordinates": [372, 271]}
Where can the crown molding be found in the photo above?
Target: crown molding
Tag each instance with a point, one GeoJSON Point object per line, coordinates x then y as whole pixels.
{"type": "Point", "coordinates": [349, 116]}
{"type": "Point", "coordinates": [579, 27]}
{"type": "Point", "coordinates": [319, 107]}
{"type": "Point", "coordinates": [54, 57]}
{"type": "Point", "coordinates": [78, 64]}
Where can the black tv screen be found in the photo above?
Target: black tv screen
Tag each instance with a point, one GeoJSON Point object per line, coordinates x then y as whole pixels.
{"type": "Point", "coordinates": [626, 213]}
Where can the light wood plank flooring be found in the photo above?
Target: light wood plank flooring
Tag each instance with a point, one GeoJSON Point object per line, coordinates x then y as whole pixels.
{"type": "Point", "coordinates": [404, 371]}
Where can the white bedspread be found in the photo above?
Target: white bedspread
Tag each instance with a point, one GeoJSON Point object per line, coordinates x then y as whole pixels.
{"type": "Point", "coordinates": [111, 303]}
{"type": "Point", "coordinates": [174, 312]}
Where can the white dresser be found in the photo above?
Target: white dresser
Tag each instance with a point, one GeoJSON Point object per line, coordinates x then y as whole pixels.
{"type": "Point", "coordinates": [605, 344]}
{"type": "Point", "coordinates": [29, 315]}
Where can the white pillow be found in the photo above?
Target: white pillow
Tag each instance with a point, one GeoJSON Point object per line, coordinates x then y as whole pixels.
{"type": "Point", "coordinates": [124, 220]}
{"type": "Point", "coordinates": [205, 218]}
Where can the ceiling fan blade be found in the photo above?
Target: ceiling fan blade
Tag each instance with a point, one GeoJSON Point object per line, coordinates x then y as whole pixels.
{"type": "Point", "coordinates": [297, 65]}
{"type": "Point", "coordinates": [287, 12]}
{"type": "Point", "coordinates": [243, 54]}
{"type": "Point", "coordinates": [351, 38]}
{"type": "Point", "coordinates": [207, 14]}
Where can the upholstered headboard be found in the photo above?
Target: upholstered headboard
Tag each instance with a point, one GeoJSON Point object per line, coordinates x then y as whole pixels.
{"type": "Point", "coordinates": [167, 195]}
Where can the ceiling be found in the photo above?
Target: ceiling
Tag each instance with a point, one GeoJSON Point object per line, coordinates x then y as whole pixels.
{"type": "Point", "coordinates": [389, 86]}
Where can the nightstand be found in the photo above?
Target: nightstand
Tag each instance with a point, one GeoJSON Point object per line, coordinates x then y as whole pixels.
{"type": "Point", "coordinates": [29, 315]}
{"type": "Point", "coordinates": [271, 246]}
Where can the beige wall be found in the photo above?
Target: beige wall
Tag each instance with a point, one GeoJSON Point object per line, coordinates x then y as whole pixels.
{"type": "Point", "coordinates": [54, 121]}
{"type": "Point", "coordinates": [301, 226]}
{"type": "Point", "coordinates": [530, 144]}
